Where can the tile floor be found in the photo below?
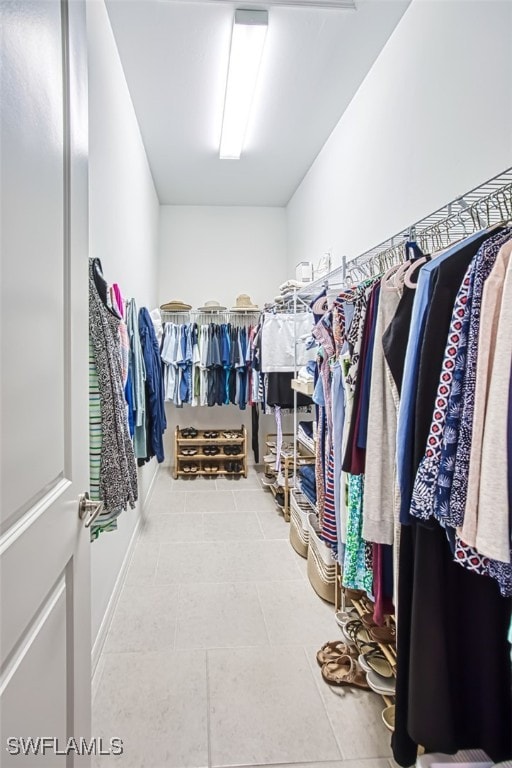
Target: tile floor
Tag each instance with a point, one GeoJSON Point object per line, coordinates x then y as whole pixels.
{"type": "Point", "coordinates": [210, 658]}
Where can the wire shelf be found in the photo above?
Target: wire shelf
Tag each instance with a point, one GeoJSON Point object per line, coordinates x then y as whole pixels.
{"type": "Point", "coordinates": [481, 207]}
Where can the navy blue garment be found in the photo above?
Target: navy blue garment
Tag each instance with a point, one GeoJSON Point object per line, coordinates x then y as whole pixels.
{"type": "Point", "coordinates": [184, 365]}
{"type": "Point", "coordinates": [128, 396]}
{"type": "Point", "coordinates": [156, 421]}
{"type": "Point", "coordinates": [367, 378]}
{"type": "Point", "coordinates": [242, 370]}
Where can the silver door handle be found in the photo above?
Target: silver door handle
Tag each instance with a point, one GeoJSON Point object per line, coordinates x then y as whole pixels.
{"type": "Point", "coordinates": [88, 507]}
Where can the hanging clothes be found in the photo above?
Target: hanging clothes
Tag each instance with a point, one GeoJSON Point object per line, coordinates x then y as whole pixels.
{"type": "Point", "coordinates": [155, 412]}
{"type": "Point", "coordinates": [117, 481]}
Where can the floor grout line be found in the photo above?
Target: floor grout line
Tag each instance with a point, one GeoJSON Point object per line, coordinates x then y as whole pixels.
{"type": "Point", "coordinates": [263, 614]}
{"type": "Point", "coordinates": [327, 714]}
{"type": "Point", "coordinates": [208, 710]}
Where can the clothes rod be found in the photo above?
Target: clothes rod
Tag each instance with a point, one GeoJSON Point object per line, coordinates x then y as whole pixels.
{"type": "Point", "coordinates": [498, 189]}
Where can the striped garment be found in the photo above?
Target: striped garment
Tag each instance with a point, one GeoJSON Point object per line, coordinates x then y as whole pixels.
{"type": "Point", "coordinates": [329, 528]}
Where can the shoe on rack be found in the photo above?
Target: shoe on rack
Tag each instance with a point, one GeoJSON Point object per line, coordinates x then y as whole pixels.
{"type": "Point", "coordinates": [388, 717]}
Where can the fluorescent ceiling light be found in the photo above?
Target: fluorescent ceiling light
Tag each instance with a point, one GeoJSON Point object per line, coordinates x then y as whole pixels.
{"type": "Point", "coordinates": [247, 42]}
{"type": "Point", "coordinates": [336, 4]}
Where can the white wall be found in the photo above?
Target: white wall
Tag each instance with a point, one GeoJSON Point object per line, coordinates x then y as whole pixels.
{"type": "Point", "coordinates": [432, 120]}
{"type": "Point", "coordinates": [219, 252]}
{"type": "Point", "coordinates": [123, 216]}
{"type": "Point", "coordinates": [216, 253]}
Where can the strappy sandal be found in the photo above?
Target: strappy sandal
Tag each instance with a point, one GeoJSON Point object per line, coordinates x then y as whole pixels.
{"type": "Point", "coordinates": [331, 651]}
{"type": "Point", "coordinates": [345, 671]}
{"type": "Point", "coordinates": [356, 633]}
{"type": "Point", "coordinates": [384, 635]}
{"type": "Point", "coordinates": [376, 661]}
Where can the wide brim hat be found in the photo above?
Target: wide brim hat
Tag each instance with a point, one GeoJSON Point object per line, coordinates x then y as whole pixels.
{"type": "Point", "coordinates": [244, 304]}
{"type": "Point", "coordinates": [212, 306]}
{"type": "Point", "coordinates": [175, 306]}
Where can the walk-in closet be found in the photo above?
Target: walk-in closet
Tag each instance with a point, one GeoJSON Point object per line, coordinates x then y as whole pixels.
{"type": "Point", "coordinates": [256, 385]}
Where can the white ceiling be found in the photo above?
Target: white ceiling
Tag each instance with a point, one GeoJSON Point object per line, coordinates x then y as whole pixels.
{"type": "Point", "coordinates": [175, 56]}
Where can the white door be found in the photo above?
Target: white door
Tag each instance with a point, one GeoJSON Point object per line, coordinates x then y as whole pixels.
{"type": "Point", "coordinates": [45, 637]}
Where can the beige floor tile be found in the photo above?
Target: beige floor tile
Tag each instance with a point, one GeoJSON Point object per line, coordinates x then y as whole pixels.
{"type": "Point", "coordinates": [273, 524]}
{"type": "Point", "coordinates": [167, 502]}
{"type": "Point", "coordinates": [182, 526]}
{"type": "Point", "coordinates": [302, 565]}
{"type": "Point", "coordinates": [263, 560]}
{"type": "Point", "coordinates": [156, 703]}
{"type": "Point", "coordinates": [355, 717]}
{"type": "Point", "coordinates": [197, 483]}
{"type": "Point", "coordinates": [193, 564]}
{"type": "Point", "coordinates": [142, 566]}
{"type": "Point", "coordinates": [227, 483]}
{"type": "Point", "coordinates": [278, 716]}
{"type": "Point", "coordinates": [371, 763]}
{"type": "Point", "coordinates": [295, 615]}
{"type": "Point", "coordinates": [219, 616]}
{"type": "Point", "coordinates": [144, 619]}
{"type": "Point", "coordinates": [231, 526]}
{"type": "Point", "coordinates": [253, 500]}
{"type": "Point", "coordinates": [220, 501]}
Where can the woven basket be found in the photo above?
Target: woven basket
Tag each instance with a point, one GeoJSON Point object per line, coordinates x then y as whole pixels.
{"type": "Point", "coordinates": [321, 566]}
{"type": "Point", "coordinates": [299, 528]}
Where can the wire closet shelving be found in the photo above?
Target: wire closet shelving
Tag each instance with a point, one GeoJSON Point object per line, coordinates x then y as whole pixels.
{"type": "Point", "coordinates": [485, 205]}
{"type": "Point", "coordinates": [481, 207]}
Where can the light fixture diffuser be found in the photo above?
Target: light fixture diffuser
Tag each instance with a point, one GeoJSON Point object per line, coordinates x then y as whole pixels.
{"type": "Point", "coordinates": [247, 43]}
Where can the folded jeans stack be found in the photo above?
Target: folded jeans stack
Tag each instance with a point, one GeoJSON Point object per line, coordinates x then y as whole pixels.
{"type": "Point", "coordinates": [308, 482]}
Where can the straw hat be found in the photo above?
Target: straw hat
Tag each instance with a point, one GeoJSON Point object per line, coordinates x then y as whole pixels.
{"type": "Point", "coordinates": [175, 306]}
{"type": "Point", "coordinates": [212, 306]}
{"type": "Point", "coordinates": [244, 304]}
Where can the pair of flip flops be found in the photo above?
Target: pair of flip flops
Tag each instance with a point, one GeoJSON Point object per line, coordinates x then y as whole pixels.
{"type": "Point", "coordinates": [189, 451]}
{"type": "Point", "coordinates": [189, 432]}
{"type": "Point", "coordinates": [340, 667]}
{"type": "Point", "coordinates": [191, 469]}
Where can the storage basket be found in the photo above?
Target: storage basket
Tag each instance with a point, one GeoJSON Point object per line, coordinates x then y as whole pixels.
{"type": "Point", "coordinates": [321, 565]}
{"type": "Point", "coordinates": [299, 528]}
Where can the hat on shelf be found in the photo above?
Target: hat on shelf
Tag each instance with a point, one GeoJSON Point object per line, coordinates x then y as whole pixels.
{"type": "Point", "coordinates": [175, 306]}
{"type": "Point", "coordinates": [244, 304]}
{"type": "Point", "coordinates": [212, 306]}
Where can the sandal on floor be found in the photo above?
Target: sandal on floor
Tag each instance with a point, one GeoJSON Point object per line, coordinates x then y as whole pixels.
{"type": "Point", "coordinates": [383, 634]}
{"type": "Point", "coordinates": [331, 651]}
{"type": "Point", "coordinates": [376, 661]}
{"type": "Point", "coordinates": [344, 671]}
